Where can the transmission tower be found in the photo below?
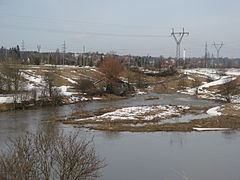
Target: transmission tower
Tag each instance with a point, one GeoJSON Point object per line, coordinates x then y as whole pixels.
{"type": "Point", "coordinates": [178, 36]}
{"type": "Point", "coordinates": [84, 49]}
{"type": "Point", "coordinates": [39, 48]}
{"type": "Point", "coordinates": [218, 48]}
{"type": "Point", "coordinates": [64, 51]}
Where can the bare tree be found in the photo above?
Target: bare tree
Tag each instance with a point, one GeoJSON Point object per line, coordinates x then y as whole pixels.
{"type": "Point", "coordinates": [182, 83]}
{"type": "Point", "coordinates": [111, 67]}
{"type": "Point", "coordinates": [50, 93]}
{"type": "Point", "coordinates": [140, 80]}
{"type": "Point", "coordinates": [50, 155]}
{"type": "Point", "coordinates": [49, 77]}
{"type": "Point", "coordinates": [11, 76]}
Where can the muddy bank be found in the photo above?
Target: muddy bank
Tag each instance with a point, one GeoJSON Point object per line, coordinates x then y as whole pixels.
{"type": "Point", "coordinates": [225, 122]}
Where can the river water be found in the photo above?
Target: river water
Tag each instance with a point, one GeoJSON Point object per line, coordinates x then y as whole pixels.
{"type": "Point", "coordinates": [146, 156]}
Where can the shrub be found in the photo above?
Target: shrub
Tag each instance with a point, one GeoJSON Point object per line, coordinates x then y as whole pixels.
{"type": "Point", "coordinates": [49, 155]}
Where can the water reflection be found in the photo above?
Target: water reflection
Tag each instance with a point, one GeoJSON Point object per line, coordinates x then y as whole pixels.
{"type": "Point", "coordinates": [231, 135]}
{"type": "Point", "coordinates": [172, 156]}
{"type": "Point", "coordinates": [111, 135]}
{"type": "Point", "coordinates": [178, 139]}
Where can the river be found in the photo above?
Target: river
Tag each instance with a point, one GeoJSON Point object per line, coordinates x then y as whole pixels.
{"type": "Point", "coordinates": [146, 156]}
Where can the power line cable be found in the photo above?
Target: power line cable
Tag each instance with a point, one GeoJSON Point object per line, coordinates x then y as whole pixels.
{"type": "Point", "coordinates": [16, 27]}
{"type": "Point", "coordinates": [79, 22]}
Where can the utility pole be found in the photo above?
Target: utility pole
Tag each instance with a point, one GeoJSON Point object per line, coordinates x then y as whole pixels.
{"type": "Point", "coordinates": [64, 51]}
{"type": "Point", "coordinates": [212, 61]}
{"type": "Point", "coordinates": [178, 36]}
{"type": "Point", "coordinates": [6, 54]}
{"type": "Point", "coordinates": [218, 48]}
{"type": "Point", "coordinates": [84, 49]}
{"type": "Point", "coordinates": [84, 61]}
{"type": "Point", "coordinates": [39, 49]}
{"type": "Point", "coordinates": [206, 54]}
{"type": "Point", "coordinates": [22, 47]}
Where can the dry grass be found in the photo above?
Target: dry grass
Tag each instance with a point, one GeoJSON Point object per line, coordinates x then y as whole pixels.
{"type": "Point", "coordinates": [231, 122]}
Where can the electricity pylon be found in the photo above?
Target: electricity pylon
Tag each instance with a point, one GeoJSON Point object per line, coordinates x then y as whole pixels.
{"type": "Point", "coordinates": [178, 36]}
{"type": "Point", "coordinates": [218, 48]}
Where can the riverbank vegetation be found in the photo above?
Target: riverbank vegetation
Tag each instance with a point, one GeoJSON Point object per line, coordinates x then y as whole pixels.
{"type": "Point", "coordinates": [48, 154]}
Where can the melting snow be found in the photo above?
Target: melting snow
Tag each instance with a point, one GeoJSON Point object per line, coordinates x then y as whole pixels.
{"type": "Point", "coordinates": [210, 129]}
{"type": "Point", "coordinates": [236, 106]}
{"type": "Point", "coordinates": [35, 79]}
{"type": "Point", "coordinates": [140, 113]}
{"type": "Point", "coordinates": [64, 90]}
{"type": "Point", "coordinates": [68, 79]}
{"type": "Point", "coordinates": [214, 111]}
{"type": "Point", "coordinates": [6, 99]}
{"type": "Point", "coordinates": [223, 80]}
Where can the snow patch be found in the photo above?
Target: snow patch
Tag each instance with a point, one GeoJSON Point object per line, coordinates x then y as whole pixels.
{"type": "Point", "coordinates": [210, 129]}
{"type": "Point", "coordinates": [236, 106]}
{"type": "Point", "coordinates": [68, 79]}
{"type": "Point", "coordinates": [6, 99]}
{"type": "Point", "coordinates": [214, 111]}
{"type": "Point", "coordinates": [140, 113]}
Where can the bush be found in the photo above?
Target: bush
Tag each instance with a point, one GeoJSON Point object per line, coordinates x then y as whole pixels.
{"type": "Point", "coordinates": [84, 86]}
{"type": "Point", "coordinates": [57, 97]}
{"type": "Point", "coordinates": [49, 155]}
{"type": "Point", "coordinates": [36, 61]}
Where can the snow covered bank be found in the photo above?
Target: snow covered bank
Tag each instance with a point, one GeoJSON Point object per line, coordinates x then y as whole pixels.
{"type": "Point", "coordinates": [221, 81]}
{"type": "Point", "coordinates": [214, 111]}
{"type": "Point", "coordinates": [210, 90]}
{"type": "Point", "coordinates": [144, 113]}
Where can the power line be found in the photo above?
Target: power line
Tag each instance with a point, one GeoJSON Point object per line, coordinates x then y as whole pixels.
{"type": "Point", "coordinates": [14, 27]}
{"type": "Point", "coordinates": [80, 22]}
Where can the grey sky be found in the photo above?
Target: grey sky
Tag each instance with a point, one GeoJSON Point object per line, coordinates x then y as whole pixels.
{"type": "Point", "coordinates": [137, 27]}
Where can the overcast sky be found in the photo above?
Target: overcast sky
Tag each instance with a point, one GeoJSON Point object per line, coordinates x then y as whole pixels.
{"type": "Point", "coordinates": [137, 27]}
